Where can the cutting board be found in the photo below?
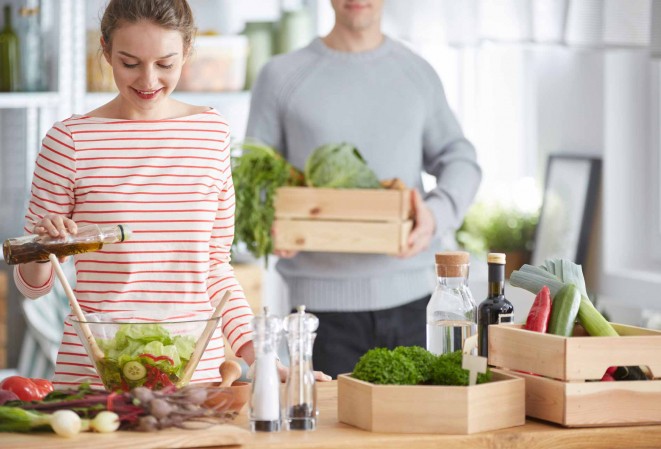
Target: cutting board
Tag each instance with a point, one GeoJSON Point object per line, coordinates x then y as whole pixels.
{"type": "Point", "coordinates": [219, 435]}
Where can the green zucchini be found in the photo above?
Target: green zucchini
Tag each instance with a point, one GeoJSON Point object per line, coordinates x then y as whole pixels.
{"type": "Point", "coordinates": [594, 322]}
{"type": "Point", "coordinates": [564, 311]}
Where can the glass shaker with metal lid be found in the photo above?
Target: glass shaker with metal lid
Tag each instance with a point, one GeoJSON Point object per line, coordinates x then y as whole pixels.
{"type": "Point", "coordinates": [301, 393]}
{"type": "Point", "coordinates": [265, 397]}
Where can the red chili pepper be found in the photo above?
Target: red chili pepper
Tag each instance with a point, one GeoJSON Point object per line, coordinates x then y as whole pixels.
{"type": "Point", "coordinates": [27, 389]}
{"type": "Point", "coordinates": [540, 312]}
{"type": "Point", "coordinates": [158, 358]}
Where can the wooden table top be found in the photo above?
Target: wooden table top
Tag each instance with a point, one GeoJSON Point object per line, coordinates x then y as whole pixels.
{"type": "Point", "coordinates": [533, 435]}
{"type": "Point", "coordinates": [332, 434]}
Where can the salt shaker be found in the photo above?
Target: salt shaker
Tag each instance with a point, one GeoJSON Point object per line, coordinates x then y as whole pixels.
{"type": "Point", "coordinates": [265, 398]}
{"type": "Point", "coordinates": [301, 392]}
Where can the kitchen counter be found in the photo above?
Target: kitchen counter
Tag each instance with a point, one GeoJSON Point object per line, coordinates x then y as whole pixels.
{"type": "Point", "coordinates": [533, 435]}
{"type": "Point", "coordinates": [332, 434]}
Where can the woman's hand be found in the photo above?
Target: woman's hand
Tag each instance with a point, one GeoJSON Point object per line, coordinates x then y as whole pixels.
{"type": "Point", "coordinates": [423, 229]}
{"type": "Point", "coordinates": [56, 226]}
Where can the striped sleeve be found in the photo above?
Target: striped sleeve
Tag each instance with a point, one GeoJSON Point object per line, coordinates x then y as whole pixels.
{"type": "Point", "coordinates": [237, 313]}
{"type": "Point", "coordinates": [52, 192]}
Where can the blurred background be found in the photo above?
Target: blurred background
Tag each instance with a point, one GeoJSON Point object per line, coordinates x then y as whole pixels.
{"type": "Point", "coordinates": [574, 81]}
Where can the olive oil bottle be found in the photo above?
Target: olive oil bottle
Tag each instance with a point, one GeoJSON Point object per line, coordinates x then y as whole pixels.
{"type": "Point", "coordinates": [34, 248]}
{"type": "Point", "coordinates": [495, 309]}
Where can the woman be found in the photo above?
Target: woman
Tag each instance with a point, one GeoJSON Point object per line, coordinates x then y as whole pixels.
{"type": "Point", "coordinates": [156, 164]}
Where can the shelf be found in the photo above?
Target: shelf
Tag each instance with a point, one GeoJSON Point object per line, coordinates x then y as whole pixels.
{"type": "Point", "coordinates": [13, 100]}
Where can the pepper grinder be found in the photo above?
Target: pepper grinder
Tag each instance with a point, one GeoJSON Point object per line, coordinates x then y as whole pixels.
{"type": "Point", "coordinates": [301, 392]}
{"type": "Point", "coordinates": [265, 397]}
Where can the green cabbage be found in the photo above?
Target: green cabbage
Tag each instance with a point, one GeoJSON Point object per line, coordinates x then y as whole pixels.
{"type": "Point", "coordinates": [339, 166]}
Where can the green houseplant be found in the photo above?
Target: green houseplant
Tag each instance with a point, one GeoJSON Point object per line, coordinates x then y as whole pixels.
{"type": "Point", "coordinates": [490, 227]}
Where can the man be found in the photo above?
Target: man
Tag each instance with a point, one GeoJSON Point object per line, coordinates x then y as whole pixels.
{"type": "Point", "coordinates": [357, 85]}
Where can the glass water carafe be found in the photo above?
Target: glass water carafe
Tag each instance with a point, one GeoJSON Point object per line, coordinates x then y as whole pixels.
{"type": "Point", "coordinates": [451, 311]}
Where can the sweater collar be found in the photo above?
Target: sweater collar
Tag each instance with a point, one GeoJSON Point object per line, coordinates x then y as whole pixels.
{"type": "Point", "coordinates": [386, 46]}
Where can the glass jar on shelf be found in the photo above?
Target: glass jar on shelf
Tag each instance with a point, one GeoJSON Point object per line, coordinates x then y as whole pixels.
{"type": "Point", "coordinates": [9, 55]}
{"type": "Point", "coordinates": [31, 51]}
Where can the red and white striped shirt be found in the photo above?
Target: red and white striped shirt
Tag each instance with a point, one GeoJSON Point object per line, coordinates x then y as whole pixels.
{"type": "Point", "coordinates": [170, 182]}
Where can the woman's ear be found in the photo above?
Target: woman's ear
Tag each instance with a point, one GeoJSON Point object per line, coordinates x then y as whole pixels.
{"type": "Point", "coordinates": [106, 53]}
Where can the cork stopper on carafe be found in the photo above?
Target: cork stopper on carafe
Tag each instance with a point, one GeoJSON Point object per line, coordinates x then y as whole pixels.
{"type": "Point", "coordinates": [452, 263]}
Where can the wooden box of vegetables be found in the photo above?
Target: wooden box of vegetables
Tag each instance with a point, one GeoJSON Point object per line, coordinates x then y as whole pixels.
{"type": "Point", "coordinates": [580, 370]}
{"type": "Point", "coordinates": [342, 220]}
{"type": "Point", "coordinates": [420, 404]}
{"type": "Point", "coordinates": [566, 386]}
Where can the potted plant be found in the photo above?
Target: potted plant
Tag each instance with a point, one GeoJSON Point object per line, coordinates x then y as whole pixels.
{"type": "Point", "coordinates": [494, 227]}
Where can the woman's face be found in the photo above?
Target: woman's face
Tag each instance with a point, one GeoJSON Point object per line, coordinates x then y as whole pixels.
{"type": "Point", "coordinates": [146, 60]}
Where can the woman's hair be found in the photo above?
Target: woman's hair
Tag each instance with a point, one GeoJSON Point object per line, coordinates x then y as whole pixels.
{"type": "Point", "coordinates": [169, 14]}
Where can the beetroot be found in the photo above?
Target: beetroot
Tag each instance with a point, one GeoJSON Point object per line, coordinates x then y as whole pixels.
{"type": "Point", "coordinates": [6, 396]}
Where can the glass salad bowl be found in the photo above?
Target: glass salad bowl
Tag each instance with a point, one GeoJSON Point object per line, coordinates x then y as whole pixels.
{"type": "Point", "coordinates": [151, 349]}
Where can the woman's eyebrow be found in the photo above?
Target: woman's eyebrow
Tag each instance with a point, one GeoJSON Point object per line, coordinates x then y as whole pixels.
{"type": "Point", "coordinates": [135, 57]}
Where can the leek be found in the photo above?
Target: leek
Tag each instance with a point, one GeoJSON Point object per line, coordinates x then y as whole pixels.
{"type": "Point", "coordinates": [555, 273]}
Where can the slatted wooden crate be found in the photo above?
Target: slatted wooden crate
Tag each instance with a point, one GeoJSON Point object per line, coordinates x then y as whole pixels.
{"type": "Point", "coordinates": [342, 220]}
{"type": "Point", "coordinates": [562, 391]}
{"type": "Point", "coordinates": [3, 319]}
{"type": "Point", "coordinates": [430, 408]}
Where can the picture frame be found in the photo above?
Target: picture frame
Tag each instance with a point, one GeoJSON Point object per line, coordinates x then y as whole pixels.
{"type": "Point", "coordinates": [571, 191]}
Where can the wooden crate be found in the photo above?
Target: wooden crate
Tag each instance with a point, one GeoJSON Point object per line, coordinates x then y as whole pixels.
{"type": "Point", "coordinates": [564, 395]}
{"type": "Point", "coordinates": [3, 319]}
{"type": "Point", "coordinates": [432, 409]}
{"type": "Point", "coordinates": [342, 220]}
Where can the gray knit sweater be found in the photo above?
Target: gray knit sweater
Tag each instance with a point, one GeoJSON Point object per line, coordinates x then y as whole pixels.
{"type": "Point", "coordinates": [390, 104]}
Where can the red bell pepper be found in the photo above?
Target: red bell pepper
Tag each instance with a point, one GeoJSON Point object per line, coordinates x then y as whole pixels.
{"type": "Point", "coordinates": [27, 389]}
{"type": "Point", "coordinates": [540, 312]}
{"type": "Point", "coordinates": [158, 358]}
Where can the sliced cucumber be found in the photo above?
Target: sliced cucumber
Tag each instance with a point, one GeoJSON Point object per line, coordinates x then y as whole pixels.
{"type": "Point", "coordinates": [134, 370]}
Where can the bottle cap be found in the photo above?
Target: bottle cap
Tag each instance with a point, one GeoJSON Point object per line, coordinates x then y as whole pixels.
{"type": "Point", "coordinates": [451, 263]}
{"type": "Point", "coordinates": [125, 233]}
{"type": "Point", "coordinates": [498, 258]}
{"type": "Point", "coordinates": [452, 258]}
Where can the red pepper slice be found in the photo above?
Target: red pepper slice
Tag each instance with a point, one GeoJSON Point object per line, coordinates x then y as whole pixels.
{"type": "Point", "coordinates": [25, 388]}
{"type": "Point", "coordinates": [540, 312]}
{"type": "Point", "coordinates": [44, 386]}
{"type": "Point", "coordinates": [158, 358]}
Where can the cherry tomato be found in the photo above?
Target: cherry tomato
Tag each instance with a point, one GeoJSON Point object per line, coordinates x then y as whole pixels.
{"type": "Point", "coordinates": [24, 388]}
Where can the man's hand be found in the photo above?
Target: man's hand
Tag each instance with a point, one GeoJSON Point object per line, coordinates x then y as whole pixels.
{"type": "Point", "coordinates": [283, 253]}
{"type": "Point", "coordinates": [424, 226]}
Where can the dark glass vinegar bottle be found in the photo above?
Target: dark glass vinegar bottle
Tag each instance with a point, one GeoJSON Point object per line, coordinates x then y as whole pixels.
{"type": "Point", "coordinates": [496, 309]}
